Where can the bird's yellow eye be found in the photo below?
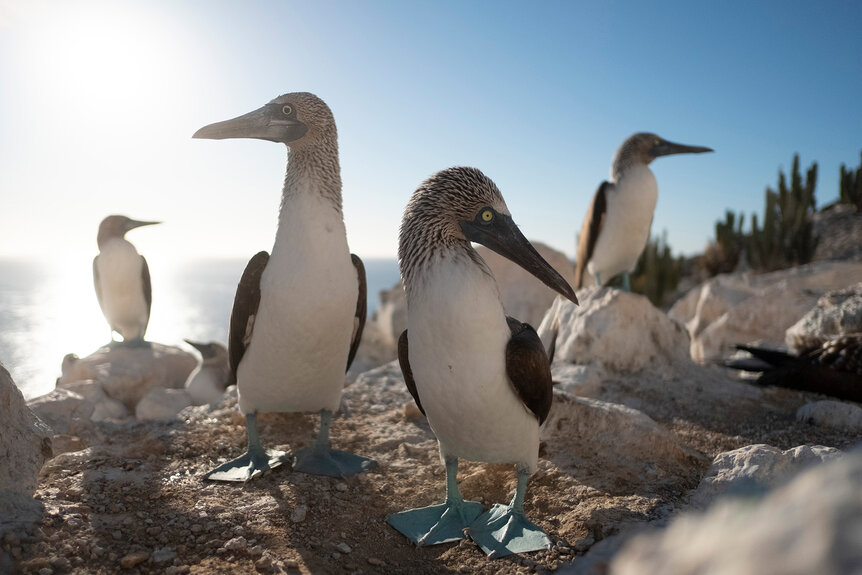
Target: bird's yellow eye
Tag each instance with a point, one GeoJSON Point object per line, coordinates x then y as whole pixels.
{"type": "Point", "coordinates": [487, 215]}
{"type": "Point", "coordinates": [656, 142]}
{"type": "Point", "coordinates": [287, 110]}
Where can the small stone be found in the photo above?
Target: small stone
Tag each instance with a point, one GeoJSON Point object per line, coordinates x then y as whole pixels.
{"type": "Point", "coordinates": [291, 564]}
{"type": "Point", "coordinates": [46, 571]}
{"type": "Point", "coordinates": [118, 535]}
{"type": "Point", "coordinates": [341, 486]}
{"type": "Point", "coordinates": [582, 545]}
{"type": "Point", "coordinates": [133, 559]}
{"type": "Point", "coordinates": [376, 562]}
{"type": "Point", "coordinates": [236, 544]}
{"type": "Point", "coordinates": [299, 513]}
{"type": "Point", "coordinates": [264, 563]}
{"type": "Point", "coordinates": [164, 554]}
{"type": "Point", "coordinates": [336, 555]}
{"type": "Point", "coordinates": [343, 547]}
{"type": "Point", "coordinates": [196, 528]}
{"type": "Point", "coordinates": [256, 551]}
{"type": "Point", "coordinates": [60, 564]}
{"type": "Point", "coordinates": [155, 530]}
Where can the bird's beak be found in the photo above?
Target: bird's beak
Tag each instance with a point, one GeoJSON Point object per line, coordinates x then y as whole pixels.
{"type": "Point", "coordinates": [665, 148]}
{"type": "Point", "coordinates": [203, 348]}
{"type": "Point", "coordinates": [258, 124]}
{"type": "Point", "coordinates": [132, 224]}
{"type": "Point", "coordinates": [504, 237]}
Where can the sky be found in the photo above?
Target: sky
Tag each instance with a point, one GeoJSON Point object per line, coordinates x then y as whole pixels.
{"type": "Point", "coordinates": [99, 99]}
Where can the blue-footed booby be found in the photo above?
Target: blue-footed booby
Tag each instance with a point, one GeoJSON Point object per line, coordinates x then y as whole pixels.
{"type": "Point", "coordinates": [207, 382]}
{"type": "Point", "coordinates": [617, 225]}
{"type": "Point", "coordinates": [122, 279]}
{"type": "Point", "coordinates": [299, 312]}
{"type": "Point", "coordinates": [482, 378]}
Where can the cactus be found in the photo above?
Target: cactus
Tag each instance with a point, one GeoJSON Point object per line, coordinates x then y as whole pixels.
{"type": "Point", "coordinates": [851, 186]}
{"type": "Point", "coordinates": [722, 255]}
{"type": "Point", "coordinates": [657, 272]}
{"type": "Point", "coordinates": [787, 236]}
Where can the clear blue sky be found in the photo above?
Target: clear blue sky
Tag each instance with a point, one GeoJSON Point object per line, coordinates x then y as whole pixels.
{"type": "Point", "coordinates": [99, 99]}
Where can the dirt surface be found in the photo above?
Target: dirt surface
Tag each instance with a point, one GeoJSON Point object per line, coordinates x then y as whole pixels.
{"type": "Point", "coordinates": [134, 501]}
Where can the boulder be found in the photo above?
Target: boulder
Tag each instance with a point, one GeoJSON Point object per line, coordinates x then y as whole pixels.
{"type": "Point", "coordinates": [755, 467]}
{"type": "Point", "coordinates": [25, 445]}
{"type": "Point", "coordinates": [619, 331]}
{"type": "Point", "coordinates": [742, 308]}
{"type": "Point", "coordinates": [128, 372]}
{"type": "Point", "coordinates": [161, 403]}
{"type": "Point", "coordinates": [836, 313]}
{"type": "Point", "coordinates": [841, 415]}
{"type": "Point", "coordinates": [810, 525]}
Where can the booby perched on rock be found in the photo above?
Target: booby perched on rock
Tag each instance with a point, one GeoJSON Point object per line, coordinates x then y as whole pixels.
{"type": "Point", "coordinates": [298, 313]}
{"type": "Point", "coordinates": [833, 368]}
{"type": "Point", "coordinates": [122, 279]}
{"type": "Point", "coordinates": [207, 382]}
{"type": "Point", "coordinates": [482, 378]}
{"type": "Point", "coordinates": [616, 228]}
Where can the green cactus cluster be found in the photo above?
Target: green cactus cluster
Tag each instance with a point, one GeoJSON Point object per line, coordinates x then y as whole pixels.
{"type": "Point", "coordinates": [723, 254]}
{"type": "Point", "coordinates": [851, 185]}
{"type": "Point", "coordinates": [657, 272]}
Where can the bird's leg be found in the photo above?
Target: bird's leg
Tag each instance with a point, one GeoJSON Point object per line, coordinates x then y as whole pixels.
{"type": "Point", "coordinates": [505, 529]}
{"type": "Point", "coordinates": [598, 277]}
{"type": "Point", "coordinates": [321, 459]}
{"type": "Point", "coordinates": [626, 286]}
{"type": "Point", "coordinates": [253, 463]}
{"type": "Point", "coordinates": [439, 523]}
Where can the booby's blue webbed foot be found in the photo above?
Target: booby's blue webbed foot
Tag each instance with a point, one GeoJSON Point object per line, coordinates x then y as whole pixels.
{"type": "Point", "coordinates": [435, 524]}
{"type": "Point", "coordinates": [253, 462]}
{"type": "Point", "coordinates": [626, 282]}
{"type": "Point", "coordinates": [504, 530]}
{"type": "Point", "coordinates": [248, 466]}
{"type": "Point", "coordinates": [331, 462]}
{"type": "Point", "coordinates": [321, 459]}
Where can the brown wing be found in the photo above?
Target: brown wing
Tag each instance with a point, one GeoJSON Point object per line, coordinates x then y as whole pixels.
{"type": "Point", "coordinates": [245, 305]}
{"type": "Point", "coordinates": [404, 362]}
{"type": "Point", "coordinates": [590, 229]}
{"type": "Point", "coordinates": [148, 289]}
{"type": "Point", "coordinates": [528, 369]}
{"type": "Point", "coordinates": [361, 309]}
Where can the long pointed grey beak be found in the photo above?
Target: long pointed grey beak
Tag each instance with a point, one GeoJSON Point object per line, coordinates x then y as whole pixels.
{"type": "Point", "coordinates": [132, 224]}
{"type": "Point", "coordinates": [258, 124]}
{"type": "Point", "coordinates": [504, 237]}
{"type": "Point", "coordinates": [205, 349]}
{"type": "Point", "coordinates": [666, 148]}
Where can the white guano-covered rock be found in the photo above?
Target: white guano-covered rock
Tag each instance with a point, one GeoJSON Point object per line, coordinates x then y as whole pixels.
{"type": "Point", "coordinates": [836, 313]}
{"type": "Point", "coordinates": [756, 467]}
{"type": "Point", "coordinates": [620, 331]}
{"type": "Point", "coordinates": [742, 308]}
{"type": "Point", "coordinates": [811, 525]}
{"type": "Point", "coordinates": [834, 414]}
{"type": "Point", "coordinates": [161, 403]}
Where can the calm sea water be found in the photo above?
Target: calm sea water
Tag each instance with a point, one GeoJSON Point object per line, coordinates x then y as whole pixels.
{"type": "Point", "coordinates": [49, 311]}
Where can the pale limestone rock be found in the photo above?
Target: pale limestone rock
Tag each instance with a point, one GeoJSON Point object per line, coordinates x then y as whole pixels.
{"type": "Point", "coordinates": [725, 316]}
{"type": "Point", "coordinates": [104, 407]}
{"type": "Point", "coordinates": [835, 414]}
{"type": "Point", "coordinates": [620, 331]}
{"type": "Point", "coordinates": [836, 313]}
{"type": "Point", "coordinates": [128, 372]}
{"type": "Point", "coordinates": [810, 525]}
{"type": "Point", "coordinates": [25, 445]}
{"type": "Point", "coordinates": [161, 403]}
{"type": "Point", "coordinates": [756, 466]}
{"type": "Point", "coordinates": [524, 297]}
{"type": "Point", "coordinates": [65, 411]}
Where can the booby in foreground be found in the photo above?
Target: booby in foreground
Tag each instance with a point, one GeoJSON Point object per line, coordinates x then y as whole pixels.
{"type": "Point", "coordinates": [617, 225]}
{"type": "Point", "coordinates": [298, 314]}
{"type": "Point", "coordinates": [122, 279]}
{"type": "Point", "coordinates": [833, 368]}
{"type": "Point", "coordinates": [482, 378]}
{"type": "Point", "coordinates": [207, 382]}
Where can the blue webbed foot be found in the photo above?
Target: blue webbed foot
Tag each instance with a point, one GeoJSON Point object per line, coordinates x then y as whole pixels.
{"type": "Point", "coordinates": [248, 466]}
{"type": "Point", "coordinates": [330, 462]}
{"type": "Point", "coordinates": [436, 524]}
{"type": "Point", "coordinates": [503, 531]}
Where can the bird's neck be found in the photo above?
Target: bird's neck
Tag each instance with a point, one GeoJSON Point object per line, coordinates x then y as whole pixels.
{"type": "Point", "coordinates": [313, 169]}
{"type": "Point", "coordinates": [419, 263]}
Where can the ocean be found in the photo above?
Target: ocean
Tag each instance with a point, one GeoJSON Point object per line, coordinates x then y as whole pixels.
{"type": "Point", "coordinates": [49, 311]}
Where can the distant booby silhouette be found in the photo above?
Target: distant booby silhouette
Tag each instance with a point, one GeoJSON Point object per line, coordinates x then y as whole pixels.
{"type": "Point", "coordinates": [298, 314]}
{"type": "Point", "coordinates": [207, 382]}
{"type": "Point", "coordinates": [482, 378]}
{"type": "Point", "coordinates": [122, 279]}
{"type": "Point", "coordinates": [617, 225]}
{"type": "Point", "coordinates": [833, 368]}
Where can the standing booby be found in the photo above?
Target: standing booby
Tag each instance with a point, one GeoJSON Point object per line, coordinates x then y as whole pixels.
{"type": "Point", "coordinates": [482, 378]}
{"type": "Point", "coordinates": [616, 228]}
{"type": "Point", "coordinates": [122, 279]}
{"type": "Point", "coordinates": [298, 313]}
{"type": "Point", "coordinates": [207, 382]}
